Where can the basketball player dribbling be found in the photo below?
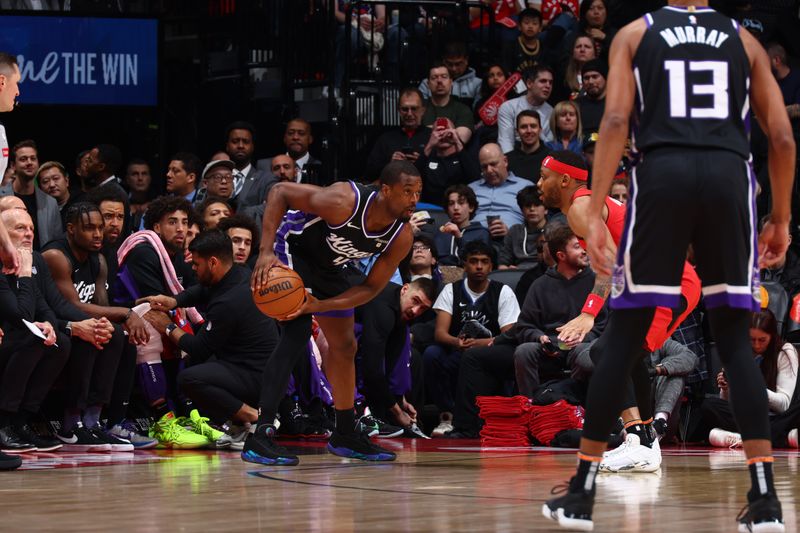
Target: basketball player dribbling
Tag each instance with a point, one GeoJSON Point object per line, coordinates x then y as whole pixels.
{"type": "Point", "coordinates": [323, 229]}
{"type": "Point", "coordinates": [563, 185]}
{"type": "Point", "coordinates": [689, 75]}
{"type": "Point", "coordinates": [9, 91]}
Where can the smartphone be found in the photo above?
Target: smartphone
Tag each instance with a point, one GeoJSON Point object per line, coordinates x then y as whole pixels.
{"type": "Point", "coordinates": [491, 218]}
{"type": "Point", "coordinates": [408, 150]}
{"type": "Point", "coordinates": [441, 123]}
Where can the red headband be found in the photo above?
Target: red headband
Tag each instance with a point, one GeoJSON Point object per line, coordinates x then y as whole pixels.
{"type": "Point", "coordinates": [563, 168]}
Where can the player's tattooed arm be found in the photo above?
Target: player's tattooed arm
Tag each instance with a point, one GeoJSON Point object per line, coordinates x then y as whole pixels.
{"type": "Point", "coordinates": [602, 286]}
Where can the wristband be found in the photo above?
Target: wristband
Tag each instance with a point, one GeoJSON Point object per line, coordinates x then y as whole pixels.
{"type": "Point", "coordinates": [593, 305]}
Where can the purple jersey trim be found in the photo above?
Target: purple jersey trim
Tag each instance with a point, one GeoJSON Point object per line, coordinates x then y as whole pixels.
{"type": "Point", "coordinates": [337, 313]}
{"type": "Point", "coordinates": [364, 220]}
{"type": "Point", "coordinates": [293, 222]}
{"type": "Point", "coordinates": [355, 207]}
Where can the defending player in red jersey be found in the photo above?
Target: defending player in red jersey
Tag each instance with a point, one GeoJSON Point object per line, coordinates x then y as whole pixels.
{"type": "Point", "coordinates": [563, 185]}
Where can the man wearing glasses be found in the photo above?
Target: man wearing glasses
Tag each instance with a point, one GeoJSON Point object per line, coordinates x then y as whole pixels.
{"type": "Point", "coordinates": [404, 143]}
{"type": "Point", "coordinates": [218, 178]}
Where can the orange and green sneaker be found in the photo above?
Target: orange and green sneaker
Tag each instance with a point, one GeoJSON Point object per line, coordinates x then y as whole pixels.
{"type": "Point", "coordinates": [171, 434]}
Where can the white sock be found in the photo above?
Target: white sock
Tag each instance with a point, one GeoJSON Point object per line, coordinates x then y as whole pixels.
{"type": "Point", "coordinates": [662, 415]}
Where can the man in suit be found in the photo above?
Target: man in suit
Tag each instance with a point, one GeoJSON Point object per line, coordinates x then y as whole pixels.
{"type": "Point", "coordinates": [102, 163]}
{"type": "Point", "coordinates": [297, 138]}
{"type": "Point", "coordinates": [42, 207]}
{"type": "Point", "coordinates": [250, 184]}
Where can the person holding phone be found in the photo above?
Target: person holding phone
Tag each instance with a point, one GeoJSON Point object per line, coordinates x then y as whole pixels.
{"type": "Point", "coordinates": [444, 162]}
{"type": "Point", "coordinates": [404, 143]}
{"type": "Point", "coordinates": [443, 104]}
{"type": "Point", "coordinates": [778, 362]}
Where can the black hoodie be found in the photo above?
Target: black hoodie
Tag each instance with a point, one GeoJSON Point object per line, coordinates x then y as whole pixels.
{"type": "Point", "coordinates": [552, 301]}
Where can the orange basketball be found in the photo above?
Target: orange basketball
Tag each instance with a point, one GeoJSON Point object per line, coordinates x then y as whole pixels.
{"type": "Point", "coordinates": [283, 294]}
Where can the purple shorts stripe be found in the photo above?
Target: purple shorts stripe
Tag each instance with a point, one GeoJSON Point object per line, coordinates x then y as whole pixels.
{"type": "Point", "coordinates": [339, 313]}
{"type": "Point", "coordinates": [740, 301]}
{"type": "Point", "coordinates": [628, 300]}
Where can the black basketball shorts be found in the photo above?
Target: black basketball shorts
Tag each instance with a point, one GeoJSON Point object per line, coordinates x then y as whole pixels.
{"type": "Point", "coordinates": [322, 283]}
{"type": "Point", "coordinates": [681, 196]}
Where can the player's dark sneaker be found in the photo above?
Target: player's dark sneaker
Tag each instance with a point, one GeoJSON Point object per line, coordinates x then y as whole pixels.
{"type": "Point", "coordinates": [117, 444]}
{"type": "Point", "coordinates": [260, 448]}
{"type": "Point", "coordinates": [573, 510]}
{"type": "Point", "coordinates": [81, 439]}
{"type": "Point", "coordinates": [295, 424]}
{"type": "Point", "coordinates": [42, 443]}
{"type": "Point", "coordinates": [384, 430]}
{"type": "Point", "coordinates": [9, 462]}
{"type": "Point", "coordinates": [660, 426]}
{"type": "Point", "coordinates": [357, 445]}
{"type": "Point", "coordinates": [762, 515]}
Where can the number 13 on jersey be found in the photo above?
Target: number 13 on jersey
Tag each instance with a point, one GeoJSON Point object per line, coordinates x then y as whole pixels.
{"type": "Point", "coordinates": [680, 85]}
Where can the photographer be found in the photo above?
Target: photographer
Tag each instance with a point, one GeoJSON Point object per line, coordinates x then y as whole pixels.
{"type": "Point", "coordinates": [444, 162]}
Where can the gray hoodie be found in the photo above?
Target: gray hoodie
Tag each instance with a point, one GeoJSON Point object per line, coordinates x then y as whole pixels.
{"type": "Point", "coordinates": [467, 87]}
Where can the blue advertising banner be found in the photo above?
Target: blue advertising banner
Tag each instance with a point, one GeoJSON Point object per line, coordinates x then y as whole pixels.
{"type": "Point", "coordinates": [98, 61]}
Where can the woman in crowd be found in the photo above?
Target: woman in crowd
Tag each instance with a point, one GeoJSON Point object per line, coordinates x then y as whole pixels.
{"type": "Point", "coordinates": [493, 78]}
{"type": "Point", "coordinates": [778, 362]}
{"type": "Point", "coordinates": [565, 123]}
{"type": "Point", "coordinates": [568, 84]}
{"type": "Point", "coordinates": [594, 23]}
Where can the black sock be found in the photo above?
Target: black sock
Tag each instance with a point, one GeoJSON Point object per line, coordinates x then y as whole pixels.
{"type": "Point", "coordinates": [760, 477]}
{"type": "Point", "coordinates": [345, 421]}
{"type": "Point", "coordinates": [643, 432]}
{"type": "Point", "coordinates": [585, 476]}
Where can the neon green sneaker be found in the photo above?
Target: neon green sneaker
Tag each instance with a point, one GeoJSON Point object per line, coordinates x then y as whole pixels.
{"type": "Point", "coordinates": [200, 426]}
{"type": "Point", "coordinates": [170, 434]}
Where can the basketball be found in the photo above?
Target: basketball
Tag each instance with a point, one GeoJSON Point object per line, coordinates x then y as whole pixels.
{"type": "Point", "coordinates": [283, 294]}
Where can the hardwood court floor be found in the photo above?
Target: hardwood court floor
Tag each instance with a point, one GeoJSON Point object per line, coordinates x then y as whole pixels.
{"type": "Point", "coordinates": [436, 486]}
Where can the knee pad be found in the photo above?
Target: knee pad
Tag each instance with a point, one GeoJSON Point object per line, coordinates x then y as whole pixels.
{"type": "Point", "coordinates": [153, 381]}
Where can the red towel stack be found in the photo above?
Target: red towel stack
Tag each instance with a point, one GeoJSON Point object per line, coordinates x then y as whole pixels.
{"type": "Point", "coordinates": [546, 421]}
{"type": "Point", "coordinates": [505, 420]}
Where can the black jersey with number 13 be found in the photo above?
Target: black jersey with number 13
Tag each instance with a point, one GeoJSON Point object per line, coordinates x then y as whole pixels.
{"type": "Point", "coordinates": [692, 82]}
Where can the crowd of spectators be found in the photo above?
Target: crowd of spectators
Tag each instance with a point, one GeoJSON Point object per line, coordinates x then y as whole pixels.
{"type": "Point", "coordinates": [474, 310]}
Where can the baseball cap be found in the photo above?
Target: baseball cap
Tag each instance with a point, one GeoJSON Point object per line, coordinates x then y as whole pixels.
{"type": "Point", "coordinates": [227, 163]}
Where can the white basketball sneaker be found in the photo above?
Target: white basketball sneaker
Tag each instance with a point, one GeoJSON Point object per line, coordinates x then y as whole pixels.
{"type": "Point", "coordinates": [631, 456]}
{"type": "Point", "coordinates": [720, 438]}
